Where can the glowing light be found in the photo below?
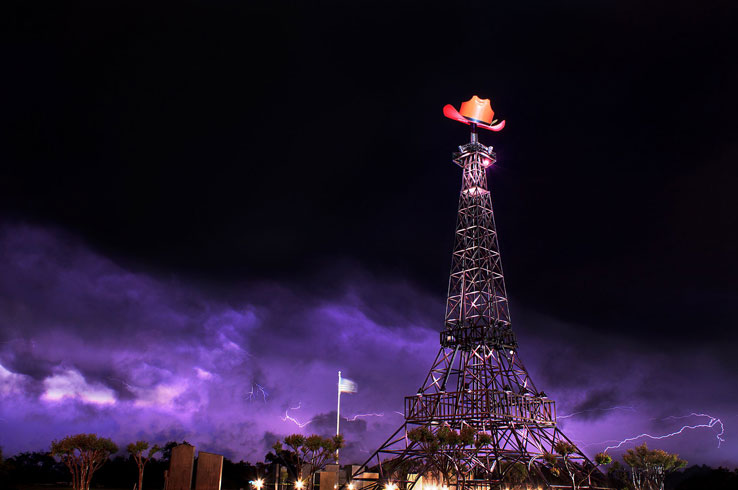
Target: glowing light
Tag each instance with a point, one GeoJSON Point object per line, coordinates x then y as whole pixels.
{"type": "Point", "coordinates": [475, 191]}
{"type": "Point", "coordinates": [390, 486]}
{"type": "Point", "coordinates": [351, 486]}
{"type": "Point", "coordinates": [711, 423]}
{"type": "Point", "coordinates": [258, 484]}
{"type": "Point", "coordinates": [299, 485]}
{"type": "Point", "coordinates": [71, 384]}
{"type": "Point", "coordinates": [159, 396]}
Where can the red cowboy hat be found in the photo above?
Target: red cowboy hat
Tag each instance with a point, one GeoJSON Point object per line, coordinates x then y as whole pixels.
{"type": "Point", "coordinates": [477, 111]}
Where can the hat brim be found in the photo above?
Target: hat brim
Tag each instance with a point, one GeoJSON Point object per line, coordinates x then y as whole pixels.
{"type": "Point", "coordinates": [450, 112]}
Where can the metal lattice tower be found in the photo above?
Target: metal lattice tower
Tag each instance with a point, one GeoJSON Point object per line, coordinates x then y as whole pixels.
{"type": "Point", "coordinates": [477, 383]}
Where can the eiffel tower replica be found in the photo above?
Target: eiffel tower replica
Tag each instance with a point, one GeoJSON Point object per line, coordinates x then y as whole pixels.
{"type": "Point", "coordinates": [478, 421]}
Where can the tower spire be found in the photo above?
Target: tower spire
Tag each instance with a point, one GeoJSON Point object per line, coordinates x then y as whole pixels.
{"type": "Point", "coordinates": [477, 418]}
{"type": "Point", "coordinates": [476, 304]}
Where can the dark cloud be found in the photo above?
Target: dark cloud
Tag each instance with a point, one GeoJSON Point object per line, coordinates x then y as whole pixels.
{"type": "Point", "coordinates": [184, 363]}
{"type": "Point", "coordinates": [324, 424]}
{"type": "Point", "coordinates": [234, 376]}
{"type": "Point", "coordinates": [596, 404]}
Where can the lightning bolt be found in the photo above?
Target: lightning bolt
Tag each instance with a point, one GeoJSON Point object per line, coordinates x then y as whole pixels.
{"type": "Point", "coordinates": [253, 395]}
{"type": "Point", "coordinates": [250, 394]}
{"type": "Point", "coordinates": [292, 419]}
{"type": "Point", "coordinates": [596, 410]}
{"type": "Point", "coordinates": [353, 419]}
{"type": "Point", "coordinates": [263, 392]}
{"type": "Point", "coordinates": [711, 423]}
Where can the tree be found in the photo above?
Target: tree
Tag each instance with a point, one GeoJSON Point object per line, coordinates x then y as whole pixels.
{"type": "Point", "coordinates": [3, 470]}
{"type": "Point", "coordinates": [703, 477]}
{"type": "Point", "coordinates": [449, 453]}
{"type": "Point", "coordinates": [314, 451]}
{"type": "Point", "coordinates": [166, 450]}
{"type": "Point", "coordinates": [449, 442]}
{"type": "Point", "coordinates": [515, 475]}
{"type": "Point", "coordinates": [280, 456]}
{"type": "Point", "coordinates": [649, 467]}
{"type": "Point", "coordinates": [83, 454]}
{"type": "Point", "coordinates": [136, 451]}
{"type": "Point", "coordinates": [578, 473]}
{"type": "Point", "coordinates": [618, 476]}
{"type": "Point", "coordinates": [33, 468]}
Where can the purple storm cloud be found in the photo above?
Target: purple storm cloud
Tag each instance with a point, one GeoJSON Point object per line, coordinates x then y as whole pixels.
{"type": "Point", "coordinates": [87, 344]}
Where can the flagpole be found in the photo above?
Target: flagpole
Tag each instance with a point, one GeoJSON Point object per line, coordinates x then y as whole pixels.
{"type": "Point", "coordinates": [338, 411]}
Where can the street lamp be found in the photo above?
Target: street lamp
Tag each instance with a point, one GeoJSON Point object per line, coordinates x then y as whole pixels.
{"type": "Point", "coordinates": [258, 484]}
{"type": "Point", "coordinates": [299, 485]}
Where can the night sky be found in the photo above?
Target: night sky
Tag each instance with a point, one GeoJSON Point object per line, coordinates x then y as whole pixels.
{"type": "Point", "coordinates": [207, 209]}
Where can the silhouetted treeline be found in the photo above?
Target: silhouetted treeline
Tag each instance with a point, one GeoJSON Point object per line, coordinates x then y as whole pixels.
{"type": "Point", "coordinates": [33, 469]}
{"type": "Point", "coordinates": [703, 478]}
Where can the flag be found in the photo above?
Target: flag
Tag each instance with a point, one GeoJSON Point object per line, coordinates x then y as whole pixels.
{"type": "Point", "coordinates": [347, 386]}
